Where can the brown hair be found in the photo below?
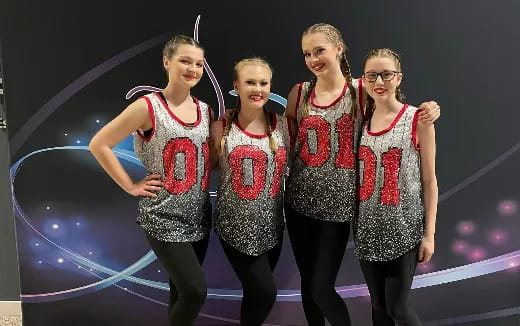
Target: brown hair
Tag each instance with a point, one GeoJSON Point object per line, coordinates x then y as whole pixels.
{"type": "Point", "coordinates": [170, 48]}
{"type": "Point", "coordinates": [234, 113]}
{"type": "Point", "coordinates": [334, 36]}
{"type": "Point", "coordinates": [382, 53]}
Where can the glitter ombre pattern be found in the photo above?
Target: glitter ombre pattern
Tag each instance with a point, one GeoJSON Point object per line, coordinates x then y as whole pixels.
{"type": "Point", "coordinates": [180, 153]}
{"type": "Point", "coordinates": [322, 181]}
{"type": "Point", "coordinates": [391, 209]}
{"type": "Point", "coordinates": [249, 209]}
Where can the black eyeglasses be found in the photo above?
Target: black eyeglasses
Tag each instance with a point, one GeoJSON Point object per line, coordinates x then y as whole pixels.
{"type": "Point", "coordinates": [386, 75]}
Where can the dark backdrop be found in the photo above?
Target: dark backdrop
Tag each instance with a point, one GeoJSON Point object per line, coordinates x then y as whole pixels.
{"type": "Point", "coordinates": [69, 64]}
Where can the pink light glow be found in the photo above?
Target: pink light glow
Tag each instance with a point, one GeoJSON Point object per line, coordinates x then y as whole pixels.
{"type": "Point", "coordinates": [477, 254]}
{"type": "Point", "coordinates": [466, 228]}
{"type": "Point", "coordinates": [460, 247]}
{"type": "Point", "coordinates": [507, 207]}
{"type": "Point", "coordinates": [426, 267]}
{"type": "Point", "coordinates": [497, 237]}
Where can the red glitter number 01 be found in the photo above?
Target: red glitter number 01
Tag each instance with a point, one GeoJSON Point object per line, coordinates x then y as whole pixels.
{"type": "Point", "coordinates": [345, 131]}
{"type": "Point", "coordinates": [259, 169]}
{"type": "Point", "coordinates": [391, 160]}
{"type": "Point", "coordinates": [186, 147]}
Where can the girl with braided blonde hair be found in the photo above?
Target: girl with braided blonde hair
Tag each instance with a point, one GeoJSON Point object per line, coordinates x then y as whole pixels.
{"type": "Point", "coordinates": [252, 147]}
{"type": "Point", "coordinates": [320, 196]}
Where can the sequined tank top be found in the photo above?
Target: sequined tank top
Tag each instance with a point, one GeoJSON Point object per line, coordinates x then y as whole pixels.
{"type": "Point", "coordinates": [249, 209]}
{"type": "Point", "coordinates": [180, 153]}
{"type": "Point", "coordinates": [322, 180]}
{"type": "Point", "coordinates": [391, 210]}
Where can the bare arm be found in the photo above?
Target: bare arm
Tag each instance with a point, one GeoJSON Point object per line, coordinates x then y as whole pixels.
{"type": "Point", "coordinates": [292, 99]}
{"type": "Point", "coordinates": [216, 131]}
{"type": "Point", "coordinates": [426, 138]}
{"type": "Point", "coordinates": [134, 117]}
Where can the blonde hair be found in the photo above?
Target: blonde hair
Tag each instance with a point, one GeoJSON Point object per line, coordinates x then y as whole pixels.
{"type": "Point", "coordinates": [334, 36]}
{"type": "Point", "coordinates": [254, 61]}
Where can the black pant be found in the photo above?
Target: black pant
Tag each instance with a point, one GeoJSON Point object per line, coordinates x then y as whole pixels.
{"type": "Point", "coordinates": [389, 283]}
{"type": "Point", "coordinates": [188, 287]}
{"type": "Point", "coordinates": [258, 285]}
{"type": "Point", "coordinates": [318, 248]}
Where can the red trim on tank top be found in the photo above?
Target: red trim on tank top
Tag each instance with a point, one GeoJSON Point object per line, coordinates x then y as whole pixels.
{"type": "Point", "coordinates": [252, 135]}
{"type": "Point", "coordinates": [152, 117]}
{"type": "Point", "coordinates": [414, 130]}
{"type": "Point", "coordinates": [334, 102]}
{"type": "Point", "coordinates": [394, 122]}
{"type": "Point", "coordinates": [194, 124]}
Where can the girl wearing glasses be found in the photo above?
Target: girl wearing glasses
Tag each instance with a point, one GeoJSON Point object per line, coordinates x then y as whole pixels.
{"type": "Point", "coordinates": [398, 192]}
{"type": "Point", "coordinates": [320, 197]}
{"type": "Point", "coordinates": [171, 140]}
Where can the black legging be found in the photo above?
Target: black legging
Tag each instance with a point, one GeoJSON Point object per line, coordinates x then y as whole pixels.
{"type": "Point", "coordinates": [188, 287]}
{"type": "Point", "coordinates": [319, 247]}
{"type": "Point", "coordinates": [389, 284]}
{"type": "Point", "coordinates": [258, 285]}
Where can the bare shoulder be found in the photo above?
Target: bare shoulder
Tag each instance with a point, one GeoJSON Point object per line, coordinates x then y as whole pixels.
{"type": "Point", "coordinates": [293, 100]}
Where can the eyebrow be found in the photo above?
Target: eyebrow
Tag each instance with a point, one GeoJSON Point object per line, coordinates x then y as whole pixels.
{"type": "Point", "coordinates": [314, 48]}
{"type": "Point", "coordinates": [188, 57]}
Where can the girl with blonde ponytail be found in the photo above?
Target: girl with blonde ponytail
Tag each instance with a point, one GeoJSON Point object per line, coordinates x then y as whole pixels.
{"type": "Point", "coordinates": [252, 146]}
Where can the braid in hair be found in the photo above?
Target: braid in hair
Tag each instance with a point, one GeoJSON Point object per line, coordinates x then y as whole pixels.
{"type": "Point", "coordinates": [272, 143]}
{"type": "Point", "coordinates": [334, 36]}
{"type": "Point", "coordinates": [398, 93]}
{"type": "Point", "coordinates": [345, 69]}
{"type": "Point", "coordinates": [227, 128]}
{"type": "Point", "coordinates": [307, 96]}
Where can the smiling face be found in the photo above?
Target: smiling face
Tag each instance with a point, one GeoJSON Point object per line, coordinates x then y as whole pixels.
{"type": "Point", "coordinates": [385, 69]}
{"type": "Point", "coordinates": [185, 65]}
{"type": "Point", "coordinates": [253, 84]}
{"type": "Point", "coordinates": [321, 54]}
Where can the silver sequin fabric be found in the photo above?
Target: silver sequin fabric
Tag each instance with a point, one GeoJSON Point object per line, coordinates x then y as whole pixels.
{"type": "Point", "coordinates": [391, 209]}
{"type": "Point", "coordinates": [249, 209]}
{"type": "Point", "coordinates": [322, 180]}
{"type": "Point", "coordinates": [180, 153]}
